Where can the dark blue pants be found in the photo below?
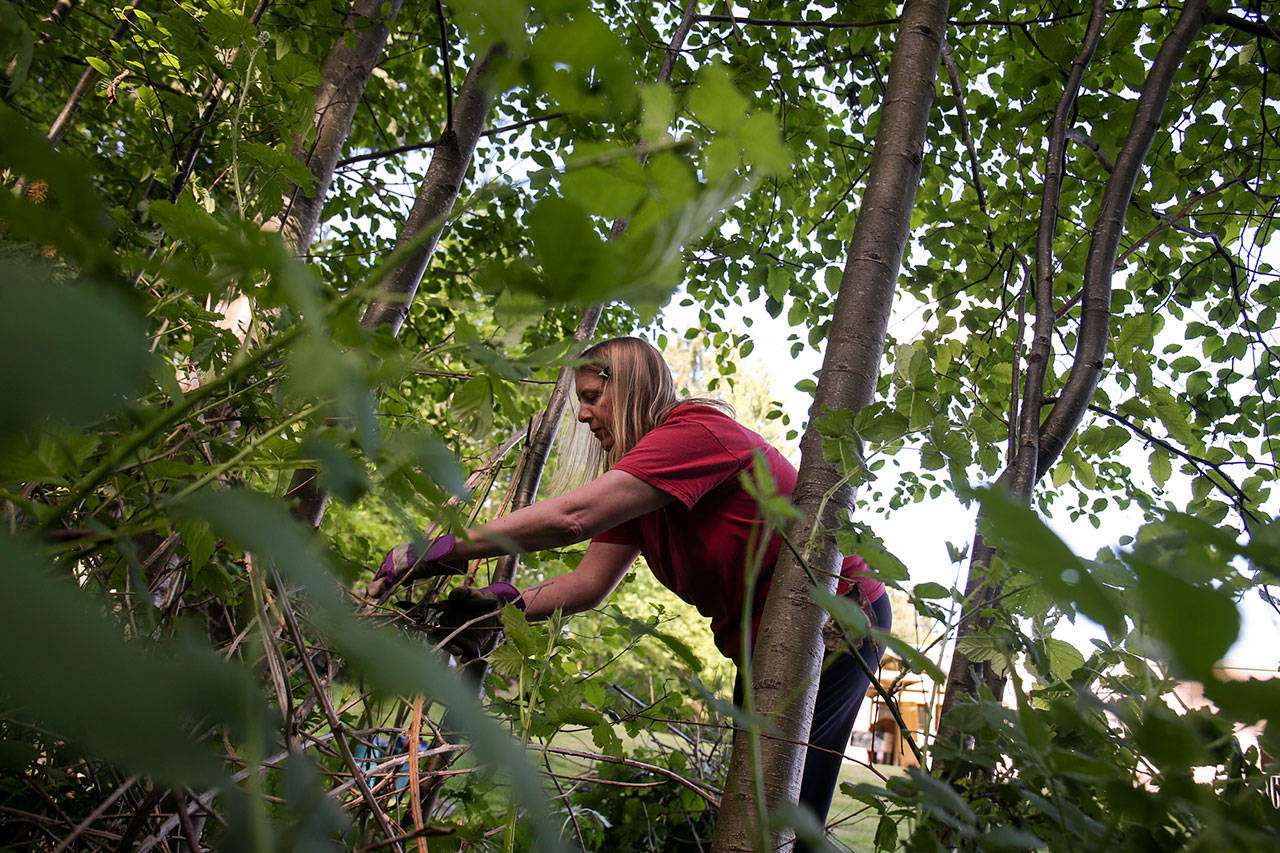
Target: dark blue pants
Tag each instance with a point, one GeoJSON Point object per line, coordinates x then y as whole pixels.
{"type": "Point", "coordinates": [840, 691]}
{"type": "Point", "coordinates": [841, 687]}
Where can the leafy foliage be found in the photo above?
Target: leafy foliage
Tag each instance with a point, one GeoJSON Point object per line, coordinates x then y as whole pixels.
{"type": "Point", "coordinates": [150, 572]}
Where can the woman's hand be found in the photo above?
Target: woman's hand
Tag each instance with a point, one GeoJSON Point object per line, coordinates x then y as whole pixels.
{"type": "Point", "coordinates": [470, 625]}
{"type": "Point", "coordinates": [403, 563]}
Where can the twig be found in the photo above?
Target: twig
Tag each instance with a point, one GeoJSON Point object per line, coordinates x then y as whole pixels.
{"type": "Point", "coordinates": [446, 65]}
{"type": "Point", "coordinates": [1260, 30]}
{"type": "Point", "coordinates": [335, 723]}
{"type": "Point", "coordinates": [953, 74]}
{"type": "Point", "coordinates": [415, 795]}
{"type": "Point", "coordinates": [184, 818]}
{"type": "Point", "coordinates": [1015, 381]}
{"type": "Point", "coordinates": [1168, 221]}
{"type": "Point", "coordinates": [808, 25]}
{"type": "Point", "coordinates": [1236, 494]}
{"type": "Point", "coordinates": [95, 814]}
{"type": "Point", "coordinates": [72, 106]}
{"type": "Point", "coordinates": [705, 793]}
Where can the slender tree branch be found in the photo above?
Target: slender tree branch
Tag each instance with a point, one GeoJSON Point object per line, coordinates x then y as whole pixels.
{"type": "Point", "coordinates": [446, 65]}
{"type": "Point", "coordinates": [343, 80]}
{"type": "Point", "coordinates": [706, 793]}
{"type": "Point", "coordinates": [1231, 490]}
{"type": "Point", "coordinates": [86, 81]}
{"type": "Point", "coordinates": [1093, 336]}
{"type": "Point", "coordinates": [1020, 476]}
{"type": "Point", "coordinates": [1024, 473]}
{"type": "Point", "coordinates": [420, 146]}
{"type": "Point", "coordinates": [1075, 134]}
{"type": "Point", "coordinates": [953, 74]}
{"type": "Point", "coordinates": [94, 815]}
{"type": "Point", "coordinates": [415, 791]}
{"type": "Point", "coordinates": [794, 24]}
{"type": "Point", "coordinates": [1253, 28]}
{"type": "Point", "coordinates": [335, 722]}
{"type": "Point", "coordinates": [1167, 221]}
{"type": "Point", "coordinates": [187, 163]}
{"type": "Point", "coordinates": [1016, 381]}
{"type": "Point", "coordinates": [534, 459]}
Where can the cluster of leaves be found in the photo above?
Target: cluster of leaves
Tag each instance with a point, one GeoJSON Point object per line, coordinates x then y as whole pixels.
{"type": "Point", "coordinates": [1097, 751]}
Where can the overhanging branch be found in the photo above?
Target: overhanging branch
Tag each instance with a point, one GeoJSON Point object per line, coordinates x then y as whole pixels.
{"type": "Point", "coordinates": [1253, 28]}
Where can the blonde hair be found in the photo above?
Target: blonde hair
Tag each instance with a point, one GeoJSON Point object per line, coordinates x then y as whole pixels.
{"type": "Point", "coordinates": [644, 396]}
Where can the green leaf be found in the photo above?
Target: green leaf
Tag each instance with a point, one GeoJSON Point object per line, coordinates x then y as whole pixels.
{"type": "Point", "coordinates": [473, 404]}
{"type": "Point", "coordinates": [67, 668]}
{"type": "Point", "coordinates": [295, 70]}
{"type": "Point", "coordinates": [1161, 467]}
{"type": "Point", "coordinates": [1028, 544]}
{"type": "Point", "coordinates": [225, 28]}
{"type": "Point", "coordinates": [930, 589]}
{"type": "Point", "coordinates": [715, 101]}
{"type": "Point", "coordinates": [1064, 658]}
{"type": "Point", "coordinates": [886, 837]}
{"type": "Point", "coordinates": [520, 633]}
{"type": "Point", "coordinates": [762, 147]}
{"type": "Point", "coordinates": [658, 109]}
{"type": "Point", "coordinates": [614, 190]}
{"type": "Point", "coordinates": [568, 249]}
{"type": "Point", "coordinates": [1196, 624]}
{"type": "Point", "coordinates": [99, 65]}
{"type": "Point", "coordinates": [939, 797]}
{"type": "Point", "coordinates": [1174, 416]}
{"type": "Point", "coordinates": [984, 647]}
{"type": "Point", "coordinates": [74, 352]}
{"type": "Point", "coordinates": [1135, 332]}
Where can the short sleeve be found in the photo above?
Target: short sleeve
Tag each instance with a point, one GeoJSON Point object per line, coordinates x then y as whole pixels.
{"type": "Point", "coordinates": [684, 457]}
{"type": "Point", "coordinates": [624, 534]}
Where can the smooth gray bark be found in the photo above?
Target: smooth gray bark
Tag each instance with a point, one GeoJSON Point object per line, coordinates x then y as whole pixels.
{"type": "Point", "coordinates": [344, 78]}
{"type": "Point", "coordinates": [436, 196]}
{"type": "Point", "coordinates": [788, 650]}
{"type": "Point", "coordinates": [435, 199]}
{"type": "Point", "coordinates": [1020, 476]}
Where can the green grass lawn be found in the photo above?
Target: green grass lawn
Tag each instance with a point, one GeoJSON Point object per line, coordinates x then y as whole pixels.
{"type": "Point", "coordinates": [856, 829]}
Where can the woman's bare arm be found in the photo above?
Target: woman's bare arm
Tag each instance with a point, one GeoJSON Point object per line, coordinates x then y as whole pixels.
{"type": "Point", "coordinates": [605, 502]}
{"type": "Point", "coordinates": [602, 568]}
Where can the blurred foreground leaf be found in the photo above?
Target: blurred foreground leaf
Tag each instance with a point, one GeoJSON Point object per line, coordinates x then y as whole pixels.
{"type": "Point", "coordinates": [67, 669]}
{"type": "Point", "coordinates": [67, 351]}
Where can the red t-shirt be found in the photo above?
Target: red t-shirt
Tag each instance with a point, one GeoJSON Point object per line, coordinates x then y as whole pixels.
{"type": "Point", "coordinates": [697, 545]}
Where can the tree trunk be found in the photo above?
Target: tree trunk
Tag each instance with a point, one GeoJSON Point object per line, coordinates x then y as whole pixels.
{"type": "Point", "coordinates": [1040, 445]}
{"type": "Point", "coordinates": [436, 196]}
{"type": "Point", "coordinates": [344, 77]}
{"type": "Point", "coordinates": [788, 651]}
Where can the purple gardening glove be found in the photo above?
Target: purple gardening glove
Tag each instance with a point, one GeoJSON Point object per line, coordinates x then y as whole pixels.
{"type": "Point", "coordinates": [404, 562]}
{"type": "Point", "coordinates": [470, 625]}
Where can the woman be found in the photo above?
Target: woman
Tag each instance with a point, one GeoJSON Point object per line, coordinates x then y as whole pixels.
{"type": "Point", "coordinates": [671, 492]}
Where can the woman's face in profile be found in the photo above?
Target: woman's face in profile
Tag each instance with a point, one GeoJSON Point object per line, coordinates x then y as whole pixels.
{"type": "Point", "coordinates": [595, 404]}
